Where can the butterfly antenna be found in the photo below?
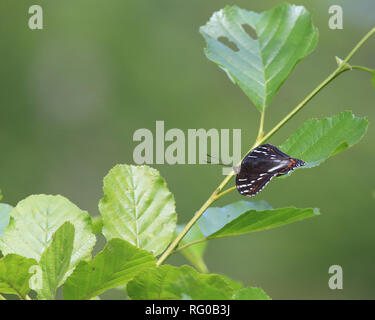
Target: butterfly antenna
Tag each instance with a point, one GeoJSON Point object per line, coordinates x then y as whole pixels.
{"type": "Point", "coordinates": [210, 162]}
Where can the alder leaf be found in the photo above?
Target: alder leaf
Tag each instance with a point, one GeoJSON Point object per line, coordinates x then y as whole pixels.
{"type": "Point", "coordinates": [259, 62]}
{"type": "Point", "coordinates": [138, 207]}
{"type": "Point", "coordinates": [317, 140]}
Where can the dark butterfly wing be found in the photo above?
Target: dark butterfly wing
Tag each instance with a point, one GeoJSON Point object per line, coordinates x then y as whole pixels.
{"type": "Point", "coordinates": [267, 151]}
{"type": "Point", "coordinates": [264, 151]}
{"type": "Point", "coordinates": [262, 164]}
{"type": "Point", "coordinates": [293, 164]}
{"type": "Point", "coordinates": [269, 159]}
{"type": "Point", "coordinates": [275, 151]}
{"type": "Point", "coordinates": [250, 185]}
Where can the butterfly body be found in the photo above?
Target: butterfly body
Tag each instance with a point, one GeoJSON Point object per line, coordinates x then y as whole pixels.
{"type": "Point", "coordinates": [262, 164]}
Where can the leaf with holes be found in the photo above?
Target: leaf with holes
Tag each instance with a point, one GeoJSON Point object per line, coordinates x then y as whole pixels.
{"type": "Point", "coordinates": [118, 263]}
{"type": "Point", "coordinates": [317, 140]}
{"type": "Point", "coordinates": [217, 224]}
{"type": "Point", "coordinates": [5, 210]}
{"type": "Point", "coordinates": [138, 207]}
{"type": "Point", "coordinates": [35, 219]}
{"type": "Point", "coordinates": [15, 275]}
{"type": "Point", "coordinates": [261, 64]}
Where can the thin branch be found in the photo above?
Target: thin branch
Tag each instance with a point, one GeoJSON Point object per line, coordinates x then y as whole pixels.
{"type": "Point", "coordinates": [261, 126]}
{"type": "Point", "coordinates": [223, 193]}
{"type": "Point", "coordinates": [198, 241]}
{"type": "Point", "coordinates": [372, 71]}
{"type": "Point", "coordinates": [359, 44]}
{"type": "Point", "coordinates": [189, 244]}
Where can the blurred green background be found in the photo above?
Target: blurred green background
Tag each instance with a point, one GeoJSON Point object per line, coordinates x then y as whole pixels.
{"type": "Point", "coordinates": [73, 94]}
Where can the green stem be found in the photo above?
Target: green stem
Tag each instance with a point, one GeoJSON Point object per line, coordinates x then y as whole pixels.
{"type": "Point", "coordinates": [363, 69]}
{"type": "Point", "coordinates": [261, 125]}
{"type": "Point", "coordinates": [216, 194]}
{"type": "Point", "coordinates": [223, 193]}
{"type": "Point", "coordinates": [190, 244]}
{"type": "Point", "coordinates": [198, 241]}
{"type": "Point", "coordinates": [197, 215]}
{"type": "Point", "coordinates": [359, 44]}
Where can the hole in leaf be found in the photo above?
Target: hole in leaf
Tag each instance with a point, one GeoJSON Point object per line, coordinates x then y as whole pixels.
{"type": "Point", "coordinates": [225, 41]}
{"type": "Point", "coordinates": [250, 31]}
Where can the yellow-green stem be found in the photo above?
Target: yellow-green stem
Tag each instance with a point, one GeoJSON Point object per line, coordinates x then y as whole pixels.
{"type": "Point", "coordinates": [223, 193]}
{"type": "Point", "coordinates": [190, 244]}
{"type": "Point", "coordinates": [372, 71]}
{"type": "Point", "coordinates": [261, 125]}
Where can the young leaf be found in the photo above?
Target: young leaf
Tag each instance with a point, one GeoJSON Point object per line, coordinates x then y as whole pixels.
{"type": "Point", "coordinates": [5, 210]}
{"type": "Point", "coordinates": [216, 218]}
{"type": "Point", "coordinates": [55, 261]}
{"type": "Point", "coordinates": [259, 64]}
{"type": "Point", "coordinates": [118, 263]}
{"type": "Point", "coordinates": [251, 293]}
{"type": "Point", "coordinates": [252, 220]}
{"type": "Point", "coordinates": [14, 275]}
{"type": "Point", "coordinates": [193, 253]}
{"type": "Point", "coordinates": [180, 283]}
{"type": "Point", "coordinates": [138, 207]}
{"type": "Point", "coordinates": [34, 221]}
{"type": "Point", "coordinates": [317, 140]}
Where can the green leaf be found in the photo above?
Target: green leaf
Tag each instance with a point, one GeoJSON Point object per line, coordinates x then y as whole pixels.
{"type": "Point", "coordinates": [55, 261]}
{"type": "Point", "coordinates": [193, 253]}
{"type": "Point", "coordinates": [251, 293]}
{"type": "Point", "coordinates": [118, 263]}
{"type": "Point", "coordinates": [5, 210]}
{"type": "Point", "coordinates": [244, 217]}
{"type": "Point", "coordinates": [373, 79]}
{"type": "Point", "coordinates": [34, 221]}
{"type": "Point", "coordinates": [138, 207]}
{"type": "Point", "coordinates": [14, 275]}
{"type": "Point", "coordinates": [180, 283]}
{"type": "Point", "coordinates": [252, 220]}
{"type": "Point", "coordinates": [259, 64]}
{"type": "Point", "coordinates": [216, 218]}
{"type": "Point", "coordinates": [317, 140]}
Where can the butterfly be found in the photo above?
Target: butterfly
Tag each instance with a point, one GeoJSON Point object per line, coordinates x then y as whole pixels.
{"type": "Point", "coordinates": [260, 165]}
